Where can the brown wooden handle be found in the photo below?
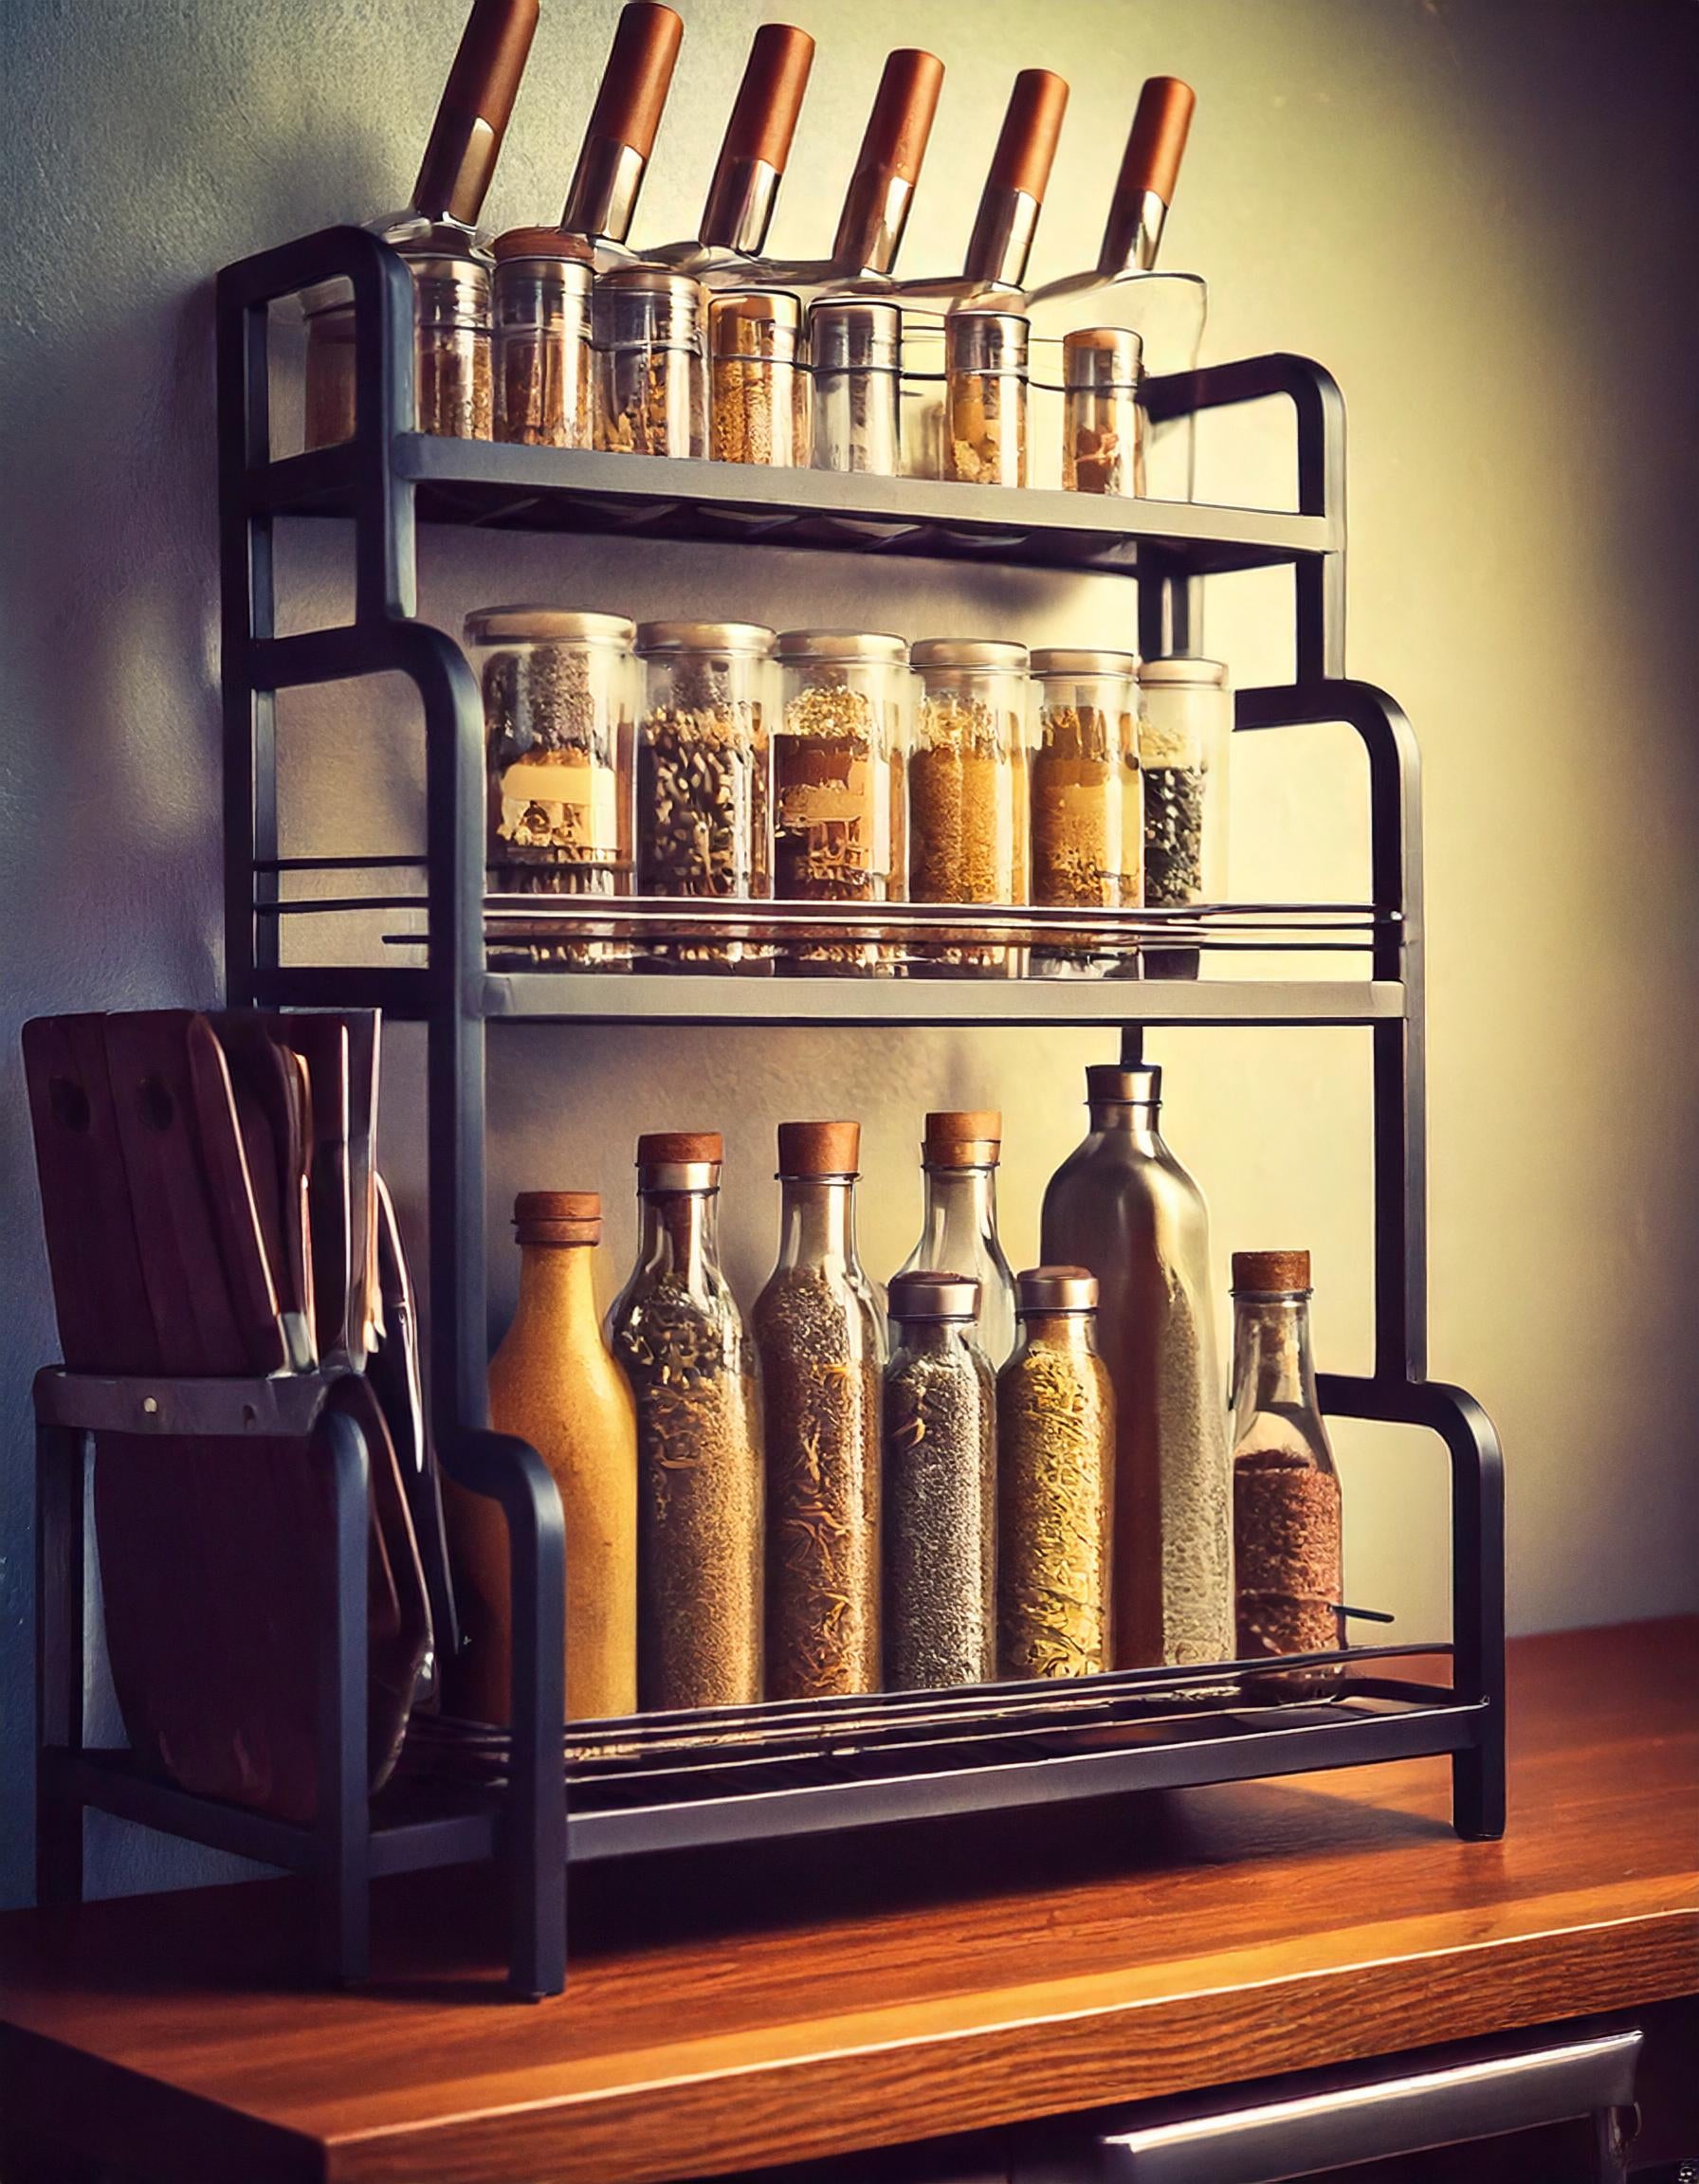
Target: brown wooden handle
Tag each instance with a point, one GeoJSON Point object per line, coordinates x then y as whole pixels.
{"type": "Point", "coordinates": [1158, 140]}
{"type": "Point", "coordinates": [769, 96]}
{"type": "Point", "coordinates": [638, 76]}
{"type": "Point", "coordinates": [1031, 125]}
{"type": "Point", "coordinates": [472, 115]}
{"type": "Point", "coordinates": [895, 142]}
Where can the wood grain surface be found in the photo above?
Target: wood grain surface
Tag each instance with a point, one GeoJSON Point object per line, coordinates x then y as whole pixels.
{"type": "Point", "coordinates": [755, 2006]}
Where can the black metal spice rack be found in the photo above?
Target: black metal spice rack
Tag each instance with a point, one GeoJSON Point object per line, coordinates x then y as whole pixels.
{"type": "Point", "coordinates": [665, 1781]}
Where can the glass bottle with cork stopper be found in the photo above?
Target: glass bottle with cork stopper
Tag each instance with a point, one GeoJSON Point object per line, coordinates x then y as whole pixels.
{"type": "Point", "coordinates": [959, 1222]}
{"type": "Point", "coordinates": [1287, 1535]}
{"type": "Point", "coordinates": [676, 1330]}
{"type": "Point", "coordinates": [553, 1383]}
{"type": "Point", "coordinates": [545, 381]}
{"type": "Point", "coordinates": [817, 1332]}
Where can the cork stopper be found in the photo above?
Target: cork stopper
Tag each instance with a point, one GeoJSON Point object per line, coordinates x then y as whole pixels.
{"type": "Point", "coordinates": [963, 1138]}
{"type": "Point", "coordinates": [819, 1148]}
{"type": "Point", "coordinates": [638, 76]}
{"type": "Point", "coordinates": [676, 1148]}
{"type": "Point", "coordinates": [901, 121]}
{"type": "Point", "coordinates": [541, 243]}
{"type": "Point", "coordinates": [769, 96]}
{"type": "Point", "coordinates": [1263, 1273]}
{"type": "Point", "coordinates": [1031, 124]}
{"type": "Point", "coordinates": [1157, 142]}
{"type": "Point", "coordinates": [557, 1217]}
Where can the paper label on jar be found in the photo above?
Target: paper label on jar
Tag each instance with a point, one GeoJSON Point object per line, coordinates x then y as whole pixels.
{"type": "Point", "coordinates": [560, 801]}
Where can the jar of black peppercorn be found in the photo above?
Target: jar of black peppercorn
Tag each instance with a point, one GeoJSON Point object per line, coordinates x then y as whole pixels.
{"type": "Point", "coordinates": [1185, 730]}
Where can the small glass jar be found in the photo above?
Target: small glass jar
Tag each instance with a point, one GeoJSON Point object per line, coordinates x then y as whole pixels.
{"type": "Point", "coordinates": [838, 756]}
{"type": "Point", "coordinates": [940, 1467]}
{"type": "Point", "coordinates": [1056, 1482]}
{"type": "Point", "coordinates": [959, 1156]}
{"type": "Point", "coordinates": [1185, 730]}
{"type": "Point", "coordinates": [1289, 1567]}
{"type": "Point", "coordinates": [757, 415]}
{"type": "Point", "coordinates": [704, 776]}
{"type": "Point", "coordinates": [985, 398]}
{"type": "Point", "coordinates": [1103, 432]}
{"type": "Point", "coordinates": [453, 383]}
{"type": "Point", "coordinates": [542, 338]}
{"type": "Point", "coordinates": [651, 395]}
{"type": "Point", "coordinates": [967, 788]}
{"type": "Point", "coordinates": [1087, 821]}
{"type": "Point", "coordinates": [856, 360]}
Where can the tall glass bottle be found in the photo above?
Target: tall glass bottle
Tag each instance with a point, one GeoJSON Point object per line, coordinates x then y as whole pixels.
{"type": "Point", "coordinates": [1288, 1545]}
{"type": "Point", "coordinates": [677, 1331]}
{"type": "Point", "coordinates": [817, 1333]}
{"type": "Point", "coordinates": [1122, 1206]}
{"type": "Point", "coordinates": [552, 1382]}
{"type": "Point", "coordinates": [624, 123]}
{"type": "Point", "coordinates": [959, 1225]}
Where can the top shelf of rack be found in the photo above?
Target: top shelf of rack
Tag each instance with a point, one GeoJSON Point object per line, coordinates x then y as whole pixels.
{"type": "Point", "coordinates": [501, 488]}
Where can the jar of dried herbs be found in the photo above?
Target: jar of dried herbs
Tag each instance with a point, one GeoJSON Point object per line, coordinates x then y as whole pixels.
{"type": "Point", "coordinates": [1102, 438]}
{"type": "Point", "coordinates": [650, 397]}
{"type": "Point", "coordinates": [837, 759]}
{"type": "Point", "coordinates": [819, 1335]}
{"type": "Point", "coordinates": [940, 1464]}
{"type": "Point", "coordinates": [676, 1330]}
{"type": "Point", "coordinates": [453, 383]}
{"type": "Point", "coordinates": [1184, 734]}
{"type": "Point", "coordinates": [856, 360]}
{"type": "Point", "coordinates": [1056, 1482]}
{"type": "Point", "coordinates": [1088, 813]}
{"type": "Point", "coordinates": [985, 398]}
{"type": "Point", "coordinates": [558, 736]}
{"type": "Point", "coordinates": [542, 338]}
{"type": "Point", "coordinates": [758, 413]}
{"type": "Point", "coordinates": [967, 791]}
{"type": "Point", "coordinates": [1287, 1535]}
{"type": "Point", "coordinates": [702, 779]}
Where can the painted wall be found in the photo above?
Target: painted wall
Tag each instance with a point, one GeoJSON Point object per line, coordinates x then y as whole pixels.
{"type": "Point", "coordinates": [1476, 213]}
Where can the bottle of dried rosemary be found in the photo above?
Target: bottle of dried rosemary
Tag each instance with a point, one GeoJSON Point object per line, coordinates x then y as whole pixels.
{"type": "Point", "coordinates": [822, 1351]}
{"type": "Point", "coordinates": [940, 1465]}
{"type": "Point", "coordinates": [1056, 1482]}
{"type": "Point", "coordinates": [677, 1331]}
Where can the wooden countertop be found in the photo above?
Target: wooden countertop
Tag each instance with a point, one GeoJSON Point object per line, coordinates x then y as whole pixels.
{"type": "Point", "coordinates": [727, 2010]}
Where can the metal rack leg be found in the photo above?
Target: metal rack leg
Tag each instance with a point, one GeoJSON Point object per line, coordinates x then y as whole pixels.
{"type": "Point", "coordinates": [1478, 1792]}
{"type": "Point", "coordinates": [61, 1473]}
{"type": "Point", "coordinates": [343, 1824]}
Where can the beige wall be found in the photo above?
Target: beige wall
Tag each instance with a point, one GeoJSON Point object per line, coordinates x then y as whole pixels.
{"type": "Point", "coordinates": [1475, 211]}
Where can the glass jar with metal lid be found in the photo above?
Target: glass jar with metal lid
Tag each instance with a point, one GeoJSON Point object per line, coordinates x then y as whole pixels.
{"type": "Point", "coordinates": [453, 387]}
{"type": "Point", "coordinates": [1103, 435]}
{"type": "Point", "coordinates": [759, 411]}
{"type": "Point", "coordinates": [651, 395]}
{"type": "Point", "coordinates": [557, 711]}
{"type": "Point", "coordinates": [1088, 817]}
{"type": "Point", "coordinates": [856, 352]}
{"type": "Point", "coordinates": [1185, 732]}
{"type": "Point", "coordinates": [967, 788]}
{"type": "Point", "coordinates": [704, 776]}
{"type": "Point", "coordinates": [985, 398]}
{"type": "Point", "coordinates": [837, 759]}
{"type": "Point", "coordinates": [542, 338]}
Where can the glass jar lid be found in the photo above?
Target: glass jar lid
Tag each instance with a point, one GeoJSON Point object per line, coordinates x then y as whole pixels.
{"type": "Point", "coordinates": [985, 341]}
{"type": "Point", "coordinates": [1102, 356]}
{"type": "Point", "coordinates": [1056, 1289]}
{"type": "Point", "coordinates": [854, 337]}
{"type": "Point", "coordinates": [546, 625]}
{"type": "Point", "coordinates": [645, 307]}
{"type": "Point", "coordinates": [764, 323]}
{"type": "Point", "coordinates": [747, 638]}
{"type": "Point", "coordinates": [990, 655]}
{"type": "Point", "coordinates": [849, 646]}
{"type": "Point", "coordinates": [934, 1296]}
{"type": "Point", "coordinates": [1183, 674]}
{"type": "Point", "coordinates": [1060, 659]}
{"type": "Point", "coordinates": [552, 245]}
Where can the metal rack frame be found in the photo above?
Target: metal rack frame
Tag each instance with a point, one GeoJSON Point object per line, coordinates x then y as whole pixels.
{"type": "Point", "coordinates": [779, 1769]}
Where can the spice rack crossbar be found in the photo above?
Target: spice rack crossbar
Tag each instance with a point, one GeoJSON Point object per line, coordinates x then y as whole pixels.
{"type": "Point", "coordinates": [666, 1781]}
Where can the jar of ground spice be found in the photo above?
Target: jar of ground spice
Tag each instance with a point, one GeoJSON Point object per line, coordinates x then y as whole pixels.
{"type": "Point", "coordinates": [1088, 813]}
{"type": "Point", "coordinates": [854, 360]}
{"type": "Point", "coordinates": [1185, 732]}
{"type": "Point", "coordinates": [756, 412]}
{"type": "Point", "coordinates": [985, 398]}
{"type": "Point", "coordinates": [543, 379]}
{"type": "Point", "coordinates": [967, 791]}
{"type": "Point", "coordinates": [1287, 1542]}
{"type": "Point", "coordinates": [837, 761]}
{"type": "Point", "coordinates": [453, 384]}
{"type": "Point", "coordinates": [650, 397]}
{"type": "Point", "coordinates": [1102, 441]}
{"type": "Point", "coordinates": [703, 789]}
{"type": "Point", "coordinates": [557, 711]}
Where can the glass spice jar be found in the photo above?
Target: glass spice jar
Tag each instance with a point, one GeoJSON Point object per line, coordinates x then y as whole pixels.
{"type": "Point", "coordinates": [543, 351]}
{"type": "Point", "coordinates": [676, 1330]}
{"type": "Point", "coordinates": [453, 384]}
{"type": "Point", "coordinates": [650, 397]}
{"type": "Point", "coordinates": [856, 360]}
{"type": "Point", "coordinates": [1185, 730]}
{"type": "Point", "coordinates": [558, 739]}
{"type": "Point", "coordinates": [1102, 434]}
{"type": "Point", "coordinates": [837, 759]}
{"type": "Point", "coordinates": [821, 1346]}
{"type": "Point", "coordinates": [939, 1513]}
{"type": "Point", "coordinates": [703, 778]}
{"type": "Point", "coordinates": [1088, 813]}
{"type": "Point", "coordinates": [1056, 1482]}
{"type": "Point", "coordinates": [966, 781]}
{"type": "Point", "coordinates": [958, 1217]}
{"type": "Point", "coordinates": [985, 398]}
{"type": "Point", "coordinates": [1287, 1540]}
{"type": "Point", "coordinates": [757, 413]}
